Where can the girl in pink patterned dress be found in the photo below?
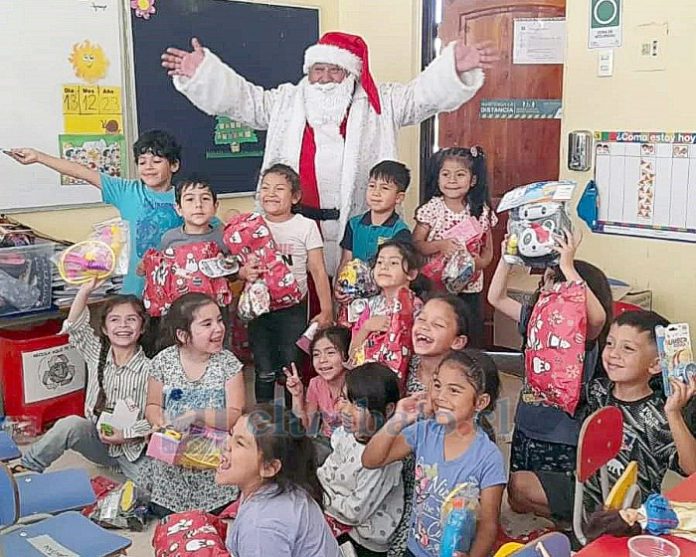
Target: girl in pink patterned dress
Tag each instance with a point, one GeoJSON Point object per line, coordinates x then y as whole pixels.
{"type": "Point", "coordinates": [457, 191]}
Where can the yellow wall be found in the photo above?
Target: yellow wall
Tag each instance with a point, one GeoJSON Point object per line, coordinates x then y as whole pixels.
{"type": "Point", "coordinates": [636, 101]}
{"type": "Point", "coordinates": [394, 55]}
{"type": "Point", "coordinates": [392, 30]}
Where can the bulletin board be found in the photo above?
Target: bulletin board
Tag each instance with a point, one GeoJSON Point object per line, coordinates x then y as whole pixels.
{"type": "Point", "coordinates": [647, 184]}
{"type": "Point", "coordinates": [62, 85]}
{"type": "Point", "coordinates": [263, 43]}
{"type": "Point", "coordinates": [82, 79]}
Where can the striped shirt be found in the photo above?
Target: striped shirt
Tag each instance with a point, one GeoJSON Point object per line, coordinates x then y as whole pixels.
{"type": "Point", "coordinates": [120, 383]}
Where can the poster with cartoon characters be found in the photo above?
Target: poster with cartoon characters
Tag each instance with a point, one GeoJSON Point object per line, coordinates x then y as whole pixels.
{"type": "Point", "coordinates": [51, 373]}
{"type": "Point", "coordinates": [101, 153]}
{"type": "Point", "coordinates": [647, 184]}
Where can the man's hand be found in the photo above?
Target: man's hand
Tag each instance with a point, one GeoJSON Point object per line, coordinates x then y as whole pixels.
{"type": "Point", "coordinates": [180, 62]}
{"type": "Point", "coordinates": [479, 55]}
{"type": "Point", "coordinates": [24, 155]}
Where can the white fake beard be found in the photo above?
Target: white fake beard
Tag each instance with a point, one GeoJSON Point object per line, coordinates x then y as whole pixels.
{"type": "Point", "coordinates": [327, 103]}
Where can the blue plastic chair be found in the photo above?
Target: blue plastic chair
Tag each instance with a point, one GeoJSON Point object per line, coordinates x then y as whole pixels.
{"type": "Point", "coordinates": [68, 531]}
{"type": "Point", "coordinates": [8, 448]}
{"type": "Point", "coordinates": [53, 492]}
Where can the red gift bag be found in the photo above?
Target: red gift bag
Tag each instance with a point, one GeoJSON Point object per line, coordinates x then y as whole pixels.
{"type": "Point", "coordinates": [248, 234]}
{"type": "Point", "coordinates": [190, 534]}
{"type": "Point", "coordinates": [393, 347]}
{"type": "Point", "coordinates": [555, 351]}
{"type": "Point", "coordinates": [174, 272]}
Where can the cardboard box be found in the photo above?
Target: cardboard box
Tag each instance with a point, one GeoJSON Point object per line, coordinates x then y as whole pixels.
{"type": "Point", "coordinates": [521, 285]}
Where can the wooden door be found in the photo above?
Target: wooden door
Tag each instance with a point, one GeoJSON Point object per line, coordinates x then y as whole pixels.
{"type": "Point", "coordinates": [519, 150]}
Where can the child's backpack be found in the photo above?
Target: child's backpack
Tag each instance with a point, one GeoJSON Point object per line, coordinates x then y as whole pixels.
{"type": "Point", "coordinates": [555, 351]}
{"type": "Point", "coordinates": [171, 273]}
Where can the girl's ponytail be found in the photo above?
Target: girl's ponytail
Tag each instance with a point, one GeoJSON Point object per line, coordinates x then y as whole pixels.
{"type": "Point", "coordinates": [479, 194]}
{"type": "Point", "coordinates": [100, 405]}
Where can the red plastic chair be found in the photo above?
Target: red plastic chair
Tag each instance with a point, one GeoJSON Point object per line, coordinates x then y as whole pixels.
{"type": "Point", "coordinates": [601, 437]}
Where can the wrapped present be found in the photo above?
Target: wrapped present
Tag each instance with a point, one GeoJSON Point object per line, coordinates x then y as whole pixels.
{"type": "Point", "coordinates": [355, 280]}
{"type": "Point", "coordinates": [555, 350]}
{"type": "Point", "coordinates": [246, 236]}
{"type": "Point", "coordinates": [106, 252]}
{"type": "Point", "coordinates": [199, 447]}
{"type": "Point", "coordinates": [394, 346]}
{"type": "Point", "coordinates": [175, 271]}
{"type": "Point", "coordinates": [458, 272]}
{"type": "Point", "coordinates": [254, 301]}
{"type": "Point", "coordinates": [433, 269]}
{"type": "Point", "coordinates": [190, 534]}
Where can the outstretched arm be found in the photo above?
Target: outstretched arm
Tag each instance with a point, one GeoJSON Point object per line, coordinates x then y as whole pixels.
{"type": "Point", "coordinates": [69, 168]}
{"type": "Point", "coordinates": [217, 89]}
{"type": "Point", "coordinates": [497, 291]}
{"type": "Point", "coordinates": [450, 80]}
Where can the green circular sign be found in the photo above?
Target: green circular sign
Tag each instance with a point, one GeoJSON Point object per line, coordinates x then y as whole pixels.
{"type": "Point", "coordinates": [606, 11]}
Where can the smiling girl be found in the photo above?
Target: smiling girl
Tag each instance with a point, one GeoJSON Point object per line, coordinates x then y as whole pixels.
{"type": "Point", "coordinates": [450, 449]}
{"type": "Point", "coordinates": [273, 462]}
{"type": "Point", "coordinates": [195, 380]}
{"type": "Point", "coordinates": [117, 371]}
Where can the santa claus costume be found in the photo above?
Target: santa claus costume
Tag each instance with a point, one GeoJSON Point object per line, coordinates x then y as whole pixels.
{"type": "Point", "coordinates": [331, 133]}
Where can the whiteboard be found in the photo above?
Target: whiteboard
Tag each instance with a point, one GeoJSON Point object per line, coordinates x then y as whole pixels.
{"type": "Point", "coordinates": [647, 184]}
{"type": "Point", "coordinates": [37, 40]}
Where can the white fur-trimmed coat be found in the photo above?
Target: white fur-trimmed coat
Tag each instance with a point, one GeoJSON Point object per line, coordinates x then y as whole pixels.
{"type": "Point", "coordinates": [217, 89]}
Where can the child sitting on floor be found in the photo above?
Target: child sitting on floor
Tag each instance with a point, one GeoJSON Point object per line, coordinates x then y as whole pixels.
{"type": "Point", "coordinates": [450, 449]}
{"type": "Point", "coordinates": [319, 409]}
{"type": "Point", "coordinates": [369, 503]}
{"type": "Point", "coordinates": [273, 462]}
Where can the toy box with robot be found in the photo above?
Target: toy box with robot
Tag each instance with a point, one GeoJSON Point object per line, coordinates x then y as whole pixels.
{"type": "Point", "coordinates": [538, 214]}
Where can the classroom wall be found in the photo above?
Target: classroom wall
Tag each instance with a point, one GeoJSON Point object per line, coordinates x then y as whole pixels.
{"type": "Point", "coordinates": [394, 55]}
{"type": "Point", "coordinates": [636, 101]}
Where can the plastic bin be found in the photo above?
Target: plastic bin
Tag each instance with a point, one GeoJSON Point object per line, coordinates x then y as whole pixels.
{"type": "Point", "coordinates": [26, 278]}
{"type": "Point", "coordinates": [40, 374]}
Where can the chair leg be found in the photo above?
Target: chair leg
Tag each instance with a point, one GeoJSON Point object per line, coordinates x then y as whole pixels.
{"type": "Point", "coordinates": [578, 514]}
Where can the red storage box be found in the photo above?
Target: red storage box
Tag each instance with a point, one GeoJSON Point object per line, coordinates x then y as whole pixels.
{"type": "Point", "coordinates": [42, 376]}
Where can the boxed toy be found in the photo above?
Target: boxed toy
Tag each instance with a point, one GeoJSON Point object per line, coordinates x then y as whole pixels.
{"type": "Point", "coordinates": [676, 356]}
{"type": "Point", "coordinates": [199, 447]}
{"type": "Point", "coordinates": [538, 214]}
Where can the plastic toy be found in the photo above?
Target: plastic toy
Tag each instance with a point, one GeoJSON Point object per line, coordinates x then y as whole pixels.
{"type": "Point", "coordinates": [538, 214]}
{"type": "Point", "coordinates": [86, 260]}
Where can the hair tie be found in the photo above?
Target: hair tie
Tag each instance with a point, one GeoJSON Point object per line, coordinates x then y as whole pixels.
{"type": "Point", "coordinates": [474, 151]}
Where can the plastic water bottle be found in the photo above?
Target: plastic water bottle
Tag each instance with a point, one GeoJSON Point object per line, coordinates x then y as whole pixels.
{"type": "Point", "coordinates": [459, 530]}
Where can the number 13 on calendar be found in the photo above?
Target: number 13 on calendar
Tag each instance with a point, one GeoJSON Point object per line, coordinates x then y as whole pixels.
{"type": "Point", "coordinates": [71, 99]}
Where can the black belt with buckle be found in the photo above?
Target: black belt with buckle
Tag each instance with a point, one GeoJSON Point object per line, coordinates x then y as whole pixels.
{"type": "Point", "coordinates": [315, 213]}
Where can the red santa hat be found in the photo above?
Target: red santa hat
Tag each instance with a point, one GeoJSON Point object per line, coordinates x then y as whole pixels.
{"type": "Point", "coordinates": [348, 52]}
